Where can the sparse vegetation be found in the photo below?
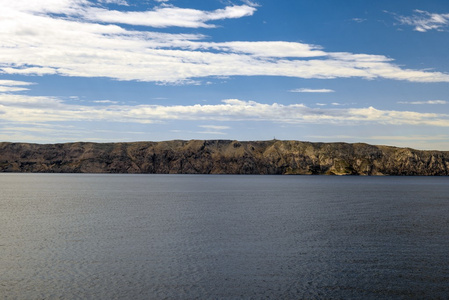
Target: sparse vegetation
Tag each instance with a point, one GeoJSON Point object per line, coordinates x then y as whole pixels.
{"type": "Point", "coordinates": [222, 157]}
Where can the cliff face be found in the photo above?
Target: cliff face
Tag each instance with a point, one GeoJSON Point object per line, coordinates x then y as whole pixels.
{"type": "Point", "coordinates": [222, 157]}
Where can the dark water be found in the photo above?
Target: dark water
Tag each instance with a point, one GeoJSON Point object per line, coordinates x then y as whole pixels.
{"type": "Point", "coordinates": [223, 237]}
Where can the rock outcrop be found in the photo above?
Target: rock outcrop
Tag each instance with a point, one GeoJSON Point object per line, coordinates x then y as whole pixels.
{"type": "Point", "coordinates": [222, 157]}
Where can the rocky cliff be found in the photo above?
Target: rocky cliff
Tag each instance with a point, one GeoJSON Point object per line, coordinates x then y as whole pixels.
{"type": "Point", "coordinates": [222, 157]}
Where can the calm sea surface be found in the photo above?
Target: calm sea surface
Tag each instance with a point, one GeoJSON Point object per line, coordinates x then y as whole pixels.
{"type": "Point", "coordinates": [223, 237]}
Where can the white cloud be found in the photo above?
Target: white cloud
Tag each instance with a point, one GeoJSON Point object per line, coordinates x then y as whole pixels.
{"type": "Point", "coordinates": [424, 21]}
{"type": "Point", "coordinates": [14, 82]}
{"type": "Point", "coordinates": [424, 102]}
{"type": "Point", "coordinates": [214, 127]}
{"type": "Point", "coordinates": [359, 20]}
{"type": "Point", "coordinates": [305, 90]}
{"type": "Point", "coordinates": [251, 3]}
{"type": "Point", "coordinates": [118, 2]}
{"type": "Point", "coordinates": [268, 49]}
{"type": "Point", "coordinates": [212, 132]}
{"type": "Point", "coordinates": [72, 46]}
{"type": "Point", "coordinates": [68, 7]}
{"type": "Point", "coordinates": [26, 109]}
{"type": "Point", "coordinates": [168, 16]}
{"type": "Point", "coordinates": [105, 101]}
{"type": "Point", "coordinates": [6, 89]}
{"type": "Point", "coordinates": [13, 86]}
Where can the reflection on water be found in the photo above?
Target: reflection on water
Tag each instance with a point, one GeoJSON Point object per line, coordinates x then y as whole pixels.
{"type": "Point", "coordinates": [183, 237]}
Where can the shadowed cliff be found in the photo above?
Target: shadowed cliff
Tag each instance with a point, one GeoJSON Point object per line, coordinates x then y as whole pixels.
{"type": "Point", "coordinates": [222, 157]}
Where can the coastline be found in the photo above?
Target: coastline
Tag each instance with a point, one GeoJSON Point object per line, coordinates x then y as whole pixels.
{"type": "Point", "coordinates": [273, 157]}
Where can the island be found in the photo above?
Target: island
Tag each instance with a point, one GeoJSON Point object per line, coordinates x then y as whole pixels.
{"type": "Point", "coordinates": [222, 157]}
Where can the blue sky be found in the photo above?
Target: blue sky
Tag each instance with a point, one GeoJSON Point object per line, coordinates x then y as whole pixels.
{"type": "Point", "coordinates": [322, 70]}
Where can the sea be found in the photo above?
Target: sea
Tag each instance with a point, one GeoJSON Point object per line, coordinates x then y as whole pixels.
{"type": "Point", "coordinates": [105, 236]}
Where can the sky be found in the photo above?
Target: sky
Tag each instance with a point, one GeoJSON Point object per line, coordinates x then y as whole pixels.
{"type": "Point", "coordinates": [351, 71]}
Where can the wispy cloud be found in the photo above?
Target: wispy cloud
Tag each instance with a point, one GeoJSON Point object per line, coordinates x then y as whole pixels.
{"type": "Point", "coordinates": [5, 89]}
{"type": "Point", "coordinates": [212, 132]}
{"type": "Point", "coordinates": [305, 90]}
{"type": "Point", "coordinates": [424, 21]}
{"type": "Point", "coordinates": [359, 20]}
{"type": "Point", "coordinates": [118, 2]}
{"type": "Point", "coordinates": [14, 83]}
{"type": "Point", "coordinates": [424, 102]}
{"type": "Point", "coordinates": [26, 109]}
{"type": "Point", "coordinates": [267, 49]}
{"type": "Point", "coordinates": [168, 16]}
{"type": "Point", "coordinates": [13, 86]}
{"type": "Point", "coordinates": [214, 127]}
{"type": "Point", "coordinates": [89, 42]}
{"type": "Point", "coordinates": [105, 101]}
